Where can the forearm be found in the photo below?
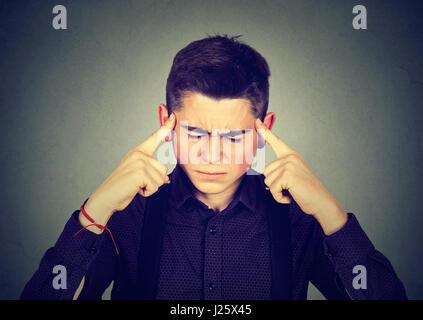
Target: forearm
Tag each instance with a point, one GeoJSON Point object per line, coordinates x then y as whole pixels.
{"type": "Point", "coordinates": [74, 253]}
{"type": "Point", "coordinates": [364, 271]}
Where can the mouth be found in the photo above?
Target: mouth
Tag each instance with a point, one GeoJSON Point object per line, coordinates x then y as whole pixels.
{"type": "Point", "coordinates": [210, 175]}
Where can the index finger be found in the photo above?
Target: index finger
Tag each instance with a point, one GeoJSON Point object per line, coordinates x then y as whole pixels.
{"type": "Point", "coordinates": [279, 147]}
{"type": "Point", "coordinates": [152, 143]}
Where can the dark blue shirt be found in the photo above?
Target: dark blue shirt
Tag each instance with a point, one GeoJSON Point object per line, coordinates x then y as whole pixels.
{"type": "Point", "coordinates": [215, 255]}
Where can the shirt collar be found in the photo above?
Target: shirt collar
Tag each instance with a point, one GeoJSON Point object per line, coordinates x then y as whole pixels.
{"type": "Point", "coordinates": [182, 189]}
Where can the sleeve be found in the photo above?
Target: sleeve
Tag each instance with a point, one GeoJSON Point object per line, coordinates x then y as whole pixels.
{"type": "Point", "coordinates": [63, 266]}
{"type": "Point", "coordinates": [347, 266]}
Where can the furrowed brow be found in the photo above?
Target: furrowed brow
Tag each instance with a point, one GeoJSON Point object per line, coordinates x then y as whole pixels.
{"type": "Point", "coordinates": [235, 133]}
{"type": "Point", "coordinates": [199, 130]}
{"type": "Point", "coordinates": [230, 133]}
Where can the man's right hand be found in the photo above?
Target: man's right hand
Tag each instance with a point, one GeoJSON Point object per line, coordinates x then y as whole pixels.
{"type": "Point", "coordinates": [138, 172]}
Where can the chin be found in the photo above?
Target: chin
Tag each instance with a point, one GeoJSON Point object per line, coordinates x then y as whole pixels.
{"type": "Point", "coordinates": [216, 183]}
{"type": "Point", "coordinates": [209, 187]}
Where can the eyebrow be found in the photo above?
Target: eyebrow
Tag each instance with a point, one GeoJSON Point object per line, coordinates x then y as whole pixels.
{"type": "Point", "coordinates": [230, 133]}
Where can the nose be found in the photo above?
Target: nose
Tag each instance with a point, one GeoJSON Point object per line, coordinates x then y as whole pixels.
{"type": "Point", "coordinates": [215, 148]}
{"type": "Point", "coordinates": [213, 152]}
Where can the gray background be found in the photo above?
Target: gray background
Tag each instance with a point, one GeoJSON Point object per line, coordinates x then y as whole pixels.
{"type": "Point", "coordinates": [74, 101]}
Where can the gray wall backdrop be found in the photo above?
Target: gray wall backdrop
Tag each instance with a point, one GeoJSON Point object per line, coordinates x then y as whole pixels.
{"type": "Point", "coordinates": [74, 101]}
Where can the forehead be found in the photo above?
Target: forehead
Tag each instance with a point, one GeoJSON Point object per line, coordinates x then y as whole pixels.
{"type": "Point", "coordinates": [206, 113]}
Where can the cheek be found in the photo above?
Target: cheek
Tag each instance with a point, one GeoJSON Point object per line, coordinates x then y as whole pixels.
{"type": "Point", "coordinates": [251, 147]}
{"type": "Point", "coordinates": [180, 146]}
{"type": "Point", "coordinates": [249, 150]}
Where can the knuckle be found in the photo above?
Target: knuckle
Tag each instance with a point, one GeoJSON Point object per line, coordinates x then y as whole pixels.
{"type": "Point", "coordinates": [290, 157]}
{"type": "Point", "coordinates": [279, 162]}
{"type": "Point", "coordinates": [162, 168]}
{"type": "Point", "coordinates": [141, 154]}
{"type": "Point", "coordinates": [267, 181]}
{"type": "Point", "coordinates": [165, 168]}
{"type": "Point", "coordinates": [286, 174]}
{"type": "Point", "coordinates": [273, 190]}
{"type": "Point", "coordinates": [134, 155]}
{"type": "Point", "coordinates": [289, 165]}
{"type": "Point", "coordinates": [140, 167]}
{"type": "Point", "coordinates": [136, 164]}
{"type": "Point", "coordinates": [152, 190]}
{"type": "Point", "coordinates": [140, 163]}
{"type": "Point", "coordinates": [146, 193]}
{"type": "Point", "coordinates": [138, 175]}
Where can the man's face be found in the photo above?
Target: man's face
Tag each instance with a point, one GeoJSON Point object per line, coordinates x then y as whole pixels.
{"type": "Point", "coordinates": [224, 141]}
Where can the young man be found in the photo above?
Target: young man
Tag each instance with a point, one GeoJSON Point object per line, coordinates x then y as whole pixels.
{"type": "Point", "coordinates": [214, 228]}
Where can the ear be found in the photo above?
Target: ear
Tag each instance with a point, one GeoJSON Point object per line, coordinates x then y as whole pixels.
{"type": "Point", "coordinates": [163, 114]}
{"type": "Point", "coordinates": [268, 121]}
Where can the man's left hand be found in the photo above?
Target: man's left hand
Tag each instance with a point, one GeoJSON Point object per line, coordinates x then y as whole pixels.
{"type": "Point", "coordinates": [290, 177]}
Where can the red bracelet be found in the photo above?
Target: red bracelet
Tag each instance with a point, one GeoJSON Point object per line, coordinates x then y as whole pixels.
{"type": "Point", "coordinates": [95, 224]}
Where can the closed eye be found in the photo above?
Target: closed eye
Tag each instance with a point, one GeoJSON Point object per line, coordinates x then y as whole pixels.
{"type": "Point", "coordinates": [234, 139]}
{"type": "Point", "coordinates": [195, 137]}
{"type": "Point", "coordinates": [231, 139]}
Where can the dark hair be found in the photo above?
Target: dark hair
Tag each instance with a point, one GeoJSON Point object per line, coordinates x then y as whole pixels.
{"type": "Point", "coordinates": [219, 67]}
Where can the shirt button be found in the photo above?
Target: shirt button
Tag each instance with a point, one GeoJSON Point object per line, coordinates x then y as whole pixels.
{"type": "Point", "coordinates": [212, 287]}
{"type": "Point", "coordinates": [212, 229]}
{"type": "Point", "coordinates": [93, 250]}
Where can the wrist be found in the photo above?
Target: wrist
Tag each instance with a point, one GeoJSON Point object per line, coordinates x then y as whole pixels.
{"type": "Point", "coordinates": [96, 213]}
{"type": "Point", "coordinates": [332, 219]}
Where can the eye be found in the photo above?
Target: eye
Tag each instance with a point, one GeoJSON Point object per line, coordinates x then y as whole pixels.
{"type": "Point", "coordinates": [194, 137]}
{"type": "Point", "coordinates": [234, 139]}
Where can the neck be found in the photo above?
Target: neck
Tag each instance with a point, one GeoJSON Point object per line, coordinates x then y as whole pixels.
{"type": "Point", "coordinates": [218, 201]}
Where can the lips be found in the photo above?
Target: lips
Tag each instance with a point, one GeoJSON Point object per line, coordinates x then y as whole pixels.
{"type": "Point", "coordinates": [210, 175]}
